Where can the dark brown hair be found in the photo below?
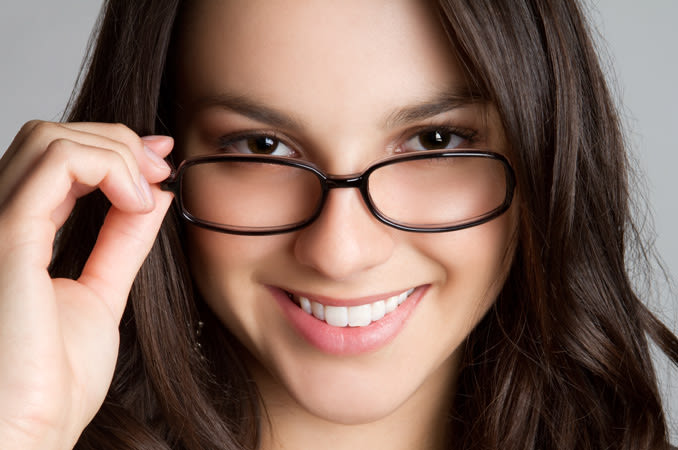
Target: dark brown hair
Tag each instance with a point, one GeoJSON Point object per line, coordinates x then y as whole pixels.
{"type": "Point", "coordinates": [562, 359]}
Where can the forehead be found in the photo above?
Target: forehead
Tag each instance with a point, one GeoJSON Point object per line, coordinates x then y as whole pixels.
{"type": "Point", "coordinates": [377, 53]}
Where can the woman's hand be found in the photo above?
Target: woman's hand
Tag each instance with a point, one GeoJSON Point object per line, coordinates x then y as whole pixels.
{"type": "Point", "coordinates": [59, 337]}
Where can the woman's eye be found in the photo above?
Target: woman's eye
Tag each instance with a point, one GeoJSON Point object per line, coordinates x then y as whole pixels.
{"type": "Point", "coordinates": [436, 139]}
{"type": "Point", "coordinates": [258, 145]}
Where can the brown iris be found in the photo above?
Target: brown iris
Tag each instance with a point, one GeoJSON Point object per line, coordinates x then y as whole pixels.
{"type": "Point", "coordinates": [262, 145]}
{"type": "Point", "coordinates": [435, 139]}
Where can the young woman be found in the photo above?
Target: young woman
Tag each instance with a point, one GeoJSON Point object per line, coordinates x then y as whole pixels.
{"type": "Point", "coordinates": [396, 224]}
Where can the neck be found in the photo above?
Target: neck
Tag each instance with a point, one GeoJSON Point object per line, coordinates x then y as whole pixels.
{"type": "Point", "coordinates": [420, 422]}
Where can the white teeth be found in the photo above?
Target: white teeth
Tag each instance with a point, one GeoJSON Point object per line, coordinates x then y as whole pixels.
{"type": "Point", "coordinates": [353, 316]}
{"type": "Point", "coordinates": [359, 316]}
{"type": "Point", "coordinates": [337, 316]}
{"type": "Point", "coordinates": [318, 311]}
{"type": "Point", "coordinates": [391, 304]}
{"type": "Point", "coordinates": [305, 304]}
{"type": "Point", "coordinates": [378, 310]}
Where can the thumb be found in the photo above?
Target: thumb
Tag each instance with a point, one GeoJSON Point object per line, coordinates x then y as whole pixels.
{"type": "Point", "coordinates": [122, 246]}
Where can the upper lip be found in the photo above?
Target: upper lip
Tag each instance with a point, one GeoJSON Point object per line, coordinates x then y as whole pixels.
{"type": "Point", "coordinates": [355, 301]}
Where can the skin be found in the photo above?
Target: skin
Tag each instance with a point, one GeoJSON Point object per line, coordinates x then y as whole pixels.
{"type": "Point", "coordinates": [44, 170]}
{"type": "Point", "coordinates": [344, 105]}
{"type": "Point", "coordinates": [337, 101]}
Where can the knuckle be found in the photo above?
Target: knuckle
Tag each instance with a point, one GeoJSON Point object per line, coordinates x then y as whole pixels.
{"type": "Point", "coordinates": [121, 127]}
{"type": "Point", "coordinates": [58, 148]}
{"type": "Point", "coordinates": [127, 136]}
{"type": "Point", "coordinates": [35, 136]}
{"type": "Point", "coordinates": [29, 126]}
{"type": "Point", "coordinates": [116, 161]}
{"type": "Point", "coordinates": [42, 130]}
{"type": "Point", "coordinates": [123, 131]}
{"type": "Point", "coordinates": [58, 151]}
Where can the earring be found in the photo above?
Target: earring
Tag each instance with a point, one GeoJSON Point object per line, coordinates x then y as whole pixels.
{"type": "Point", "coordinates": [198, 333]}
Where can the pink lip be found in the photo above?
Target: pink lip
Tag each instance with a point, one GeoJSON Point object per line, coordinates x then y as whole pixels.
{"type": "Point", "coordinates": [349, 340]}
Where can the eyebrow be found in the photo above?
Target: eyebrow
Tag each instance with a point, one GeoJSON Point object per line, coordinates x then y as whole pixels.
{"type": "Point", "coordinates": [250, 108]}
{"type": "Point", "coordinates": [442, 102]}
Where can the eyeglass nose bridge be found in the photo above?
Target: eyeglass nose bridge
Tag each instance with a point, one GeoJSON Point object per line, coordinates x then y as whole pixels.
{"type": "Point", "coordinates": [357, 181]}
{"type": "Point", "coordinates": [350, 181]}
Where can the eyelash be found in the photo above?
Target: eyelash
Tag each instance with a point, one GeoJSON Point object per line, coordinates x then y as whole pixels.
{"type": "Point", "coordinates": [229, 139]}
{"type": "Point", "coordinates": [467, 134]}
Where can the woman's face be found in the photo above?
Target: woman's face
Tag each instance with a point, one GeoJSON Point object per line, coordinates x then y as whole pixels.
{"type": "Point", "coordinates": [340, 84]}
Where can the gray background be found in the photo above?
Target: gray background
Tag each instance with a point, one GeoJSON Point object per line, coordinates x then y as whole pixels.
{"type": "Point", "coordinates": [42, 43]}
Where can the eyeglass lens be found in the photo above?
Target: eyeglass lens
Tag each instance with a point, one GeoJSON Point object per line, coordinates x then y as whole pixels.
{"type": "Point", "coordinates": [438, 192]}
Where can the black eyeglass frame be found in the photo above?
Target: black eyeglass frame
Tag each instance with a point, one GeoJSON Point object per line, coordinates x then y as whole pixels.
{"type": "Point", "coordinates": [327, 182]}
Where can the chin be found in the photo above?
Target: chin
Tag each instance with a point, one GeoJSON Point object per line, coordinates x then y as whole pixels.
{"type": "Point", "coordinates": [361, 406]}
{"type": "Point", "coordinates": [355, 391]}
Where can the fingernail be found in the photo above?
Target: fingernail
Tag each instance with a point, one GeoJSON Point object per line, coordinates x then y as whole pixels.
{"type": "Point", "coordinates": [157, 139]}
{"type": "Point", "coordinates": [154, 137]}
{"type": "Point", "coordinates": [155, 158]}
{"type": "Point", "coordinates": [145, 192]}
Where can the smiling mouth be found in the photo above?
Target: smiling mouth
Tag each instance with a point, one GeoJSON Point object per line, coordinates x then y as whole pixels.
{"type": "Point", "coordinates": [350, 316]}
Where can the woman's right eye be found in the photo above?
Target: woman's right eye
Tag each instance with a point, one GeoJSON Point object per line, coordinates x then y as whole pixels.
{"type": "Point", "coordinates": [257, 145]}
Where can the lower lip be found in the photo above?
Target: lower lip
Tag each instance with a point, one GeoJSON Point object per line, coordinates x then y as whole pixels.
{"type": "Point", "coordinates": [348, 340]}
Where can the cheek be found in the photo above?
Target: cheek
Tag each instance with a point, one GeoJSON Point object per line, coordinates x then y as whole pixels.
{"type": "Point", "coordinates": [225, 267]}
{"type": "Point", "coordinates": [475, 263]}
{"type": "Point", "coordinates": [211, 257]}
{"type": "Point", "coordinates": [211, 251]}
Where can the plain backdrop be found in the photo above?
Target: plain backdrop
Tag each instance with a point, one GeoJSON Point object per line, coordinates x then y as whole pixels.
{"type": "Point", "coordinates": [42, 43]}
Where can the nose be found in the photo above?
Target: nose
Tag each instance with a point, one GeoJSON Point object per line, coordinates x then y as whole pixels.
{"type": "Point", "coordinates": [345, 239]}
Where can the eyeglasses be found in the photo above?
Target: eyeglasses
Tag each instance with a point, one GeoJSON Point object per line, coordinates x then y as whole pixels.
{"type": "Point", "coordinates": [433, 191]}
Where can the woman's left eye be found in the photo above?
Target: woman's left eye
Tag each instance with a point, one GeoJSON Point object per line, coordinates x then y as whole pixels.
{"type": "Point", "coordinates": [434, 139]}
{"type": "Point", "coordinates": [258, 145]}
